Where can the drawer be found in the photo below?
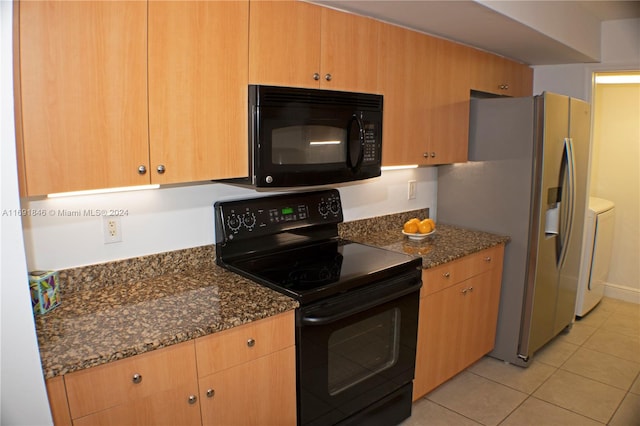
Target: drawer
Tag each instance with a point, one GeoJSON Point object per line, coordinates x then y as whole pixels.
{"type": "Point", "coordinates": [443, 276]}
{"type": "Point", "coordinates": [113, 384]}
{"type": "Point", "coordinates": [244, 343]}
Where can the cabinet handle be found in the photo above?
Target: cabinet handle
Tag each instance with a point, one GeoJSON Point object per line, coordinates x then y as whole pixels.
{"type": "Point", "coordinates": [161, 169]}
{"type": "Point", "coordinates": [487, 259]}
{"type": "Point", "coordinates": [433, 155]}
{"type": "Point", "coordinates": [210, 393]}
{"type": "Point", "coordinates": [446, 274]}
{"type": "Point", "coordinates": [327, 77]}
{"type": "Point", "coordinates": [251, 343]}
{"type": "Point", "coordinates": [316, 76]}
{"type": "Point", "coordinates": [193, 399]}
{"type": "Point", "coordinates": [137, 378]}
{"type": "Point", "coordinates": [425, 155]}
{"type": "Point", "coordinates": [467, 290]}
{"type": "Point", "coordinates": [142, 169]}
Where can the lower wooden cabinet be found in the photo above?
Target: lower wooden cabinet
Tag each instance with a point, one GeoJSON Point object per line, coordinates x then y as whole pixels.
{"type": "Point", "coordinates": [245, 375]}
{"type": "Point", "coordinates": [458, 317]}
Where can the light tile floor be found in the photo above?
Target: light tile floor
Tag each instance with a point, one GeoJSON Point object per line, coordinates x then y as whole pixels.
{"type": "Point", "coordinates": [588, 376]}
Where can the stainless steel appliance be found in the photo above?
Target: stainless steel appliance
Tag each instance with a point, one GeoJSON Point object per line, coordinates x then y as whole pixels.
{"type": "Point", "coordinates": [357, 323]}
{"type": "Point", "coordinates": [526, 178]}
{"type": "Point", "coordinates": [304, 137]}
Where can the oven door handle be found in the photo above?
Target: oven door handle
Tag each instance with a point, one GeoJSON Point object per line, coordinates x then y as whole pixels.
{"type": "Point", "coordinates": [355, 308]}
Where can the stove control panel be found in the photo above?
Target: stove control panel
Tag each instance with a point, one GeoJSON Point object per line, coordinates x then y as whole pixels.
{"type": "Point", "coordinates": [261, 216]}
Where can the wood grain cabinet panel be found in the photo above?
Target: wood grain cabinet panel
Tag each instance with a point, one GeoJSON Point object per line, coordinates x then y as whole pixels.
{"type": "Point", "coordinates": [297, 44]}
{"type": "Point", "coordinates": [136, 385]}
{"type": "Point", "coordinates": [58, 402]}
{"type": "Point", "coordinates": [500, 76]}
{"type": "Point", "coordinates": [83, 94]}
{"type": "Point", "coordinates": [247, 375]}
{"type": "Point", "coordinates": [457, 320]}
{"type": "Point", "coordinates": [198, 76]}
{"type": "Point", "coordinates": [425, 83]}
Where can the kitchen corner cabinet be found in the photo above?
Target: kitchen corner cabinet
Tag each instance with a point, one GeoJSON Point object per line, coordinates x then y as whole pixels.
{"type": "Point", "coordinates": [111, 96]}
{"type": "Point", "coordinates": [82, 94]}
{"type": "Point", "coordinates": [158, 387]}
{"type": "Point", "coordinates": [458, 317]}
{"type": "Point", "coordinates": [500, 76]}
{"type": "Point", "coordinates": [247, 374]}
{"type": "Point", "coordinates": [425, 83]}
{"type": "Point", "coordinates": [294, 43]}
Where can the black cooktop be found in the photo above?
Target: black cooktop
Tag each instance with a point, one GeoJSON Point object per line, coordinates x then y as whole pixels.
{"type": "Point", "coordinates": [290, 243]}
{"type": "Point", "coordinates": [316, 271]}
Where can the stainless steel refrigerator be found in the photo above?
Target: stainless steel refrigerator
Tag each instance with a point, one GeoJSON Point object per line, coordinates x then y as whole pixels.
{"type": "Point", "coordinates": [526, 178]}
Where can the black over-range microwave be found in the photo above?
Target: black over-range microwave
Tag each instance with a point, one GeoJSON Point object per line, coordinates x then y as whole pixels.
{"type": "Point", "coordinates": [305, 137]}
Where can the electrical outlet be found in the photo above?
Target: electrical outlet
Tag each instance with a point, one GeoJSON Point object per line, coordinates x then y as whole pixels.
{"type": "Point", "coordinates": [112, 228]}
{"type": "Point", "coordinates": [411, 195]}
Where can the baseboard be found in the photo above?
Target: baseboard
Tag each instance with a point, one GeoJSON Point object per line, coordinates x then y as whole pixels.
{"type": "Point", "coordinates": [628, 294]}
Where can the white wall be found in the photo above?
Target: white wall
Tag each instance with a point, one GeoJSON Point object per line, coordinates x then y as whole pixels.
{"type": "Point", "coordinates": [22, 392]}
{"type": "Point", "coordinates": [175, 218]}
{"type": "Point", "coordinates": [615, 176]}
{"type": "Point", "coordinates": [620, 51]}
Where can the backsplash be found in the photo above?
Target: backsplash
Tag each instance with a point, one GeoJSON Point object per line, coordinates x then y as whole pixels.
{"type": "Point", "coordinates": [177, 261]}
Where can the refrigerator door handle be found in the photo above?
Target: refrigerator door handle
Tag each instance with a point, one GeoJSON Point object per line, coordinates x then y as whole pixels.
{"type": "Point", "coordinates": [571, 200]}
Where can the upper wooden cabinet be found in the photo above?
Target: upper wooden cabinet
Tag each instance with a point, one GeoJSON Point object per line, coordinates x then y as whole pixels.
{"type": "Point", "coordinates": [198, 61]}
{"type": "Point", "coordinates": [110, 96]}
{"type": "Point", "coordinates": [82, 95]}
{"type": "Point", "coordinates": [298, 44]}
{"type": "Point", "coordinates": [497, 75]}
{"type": "Point", "coordinates": [425, 83]}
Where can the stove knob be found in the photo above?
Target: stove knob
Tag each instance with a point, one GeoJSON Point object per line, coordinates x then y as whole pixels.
{"type": "Point", "coordinates": [323, 209]}
{"type": "Point", "coordinates": [249, 220]}
{"type": "Point", "coordinates": [233, 222]}
{"type": "Point", "coordinates": [335, 206]}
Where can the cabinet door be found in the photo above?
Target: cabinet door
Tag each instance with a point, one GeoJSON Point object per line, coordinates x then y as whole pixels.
{"type": "Point", "coordinates": [481, 316]}
{"type": "Point", "coordinates": [261, 392]}
{"type": "Point", "coordinates": [168, 408]}
{"type": "Point", "coordinates": [158, 372]}
{"type": "Point", "coordinates": [284, 43]}
{"type": "Point", "coordinates": [83, 72]}
{"type": "Point", "coordinates": [198, 90]}
{"type": "Point", "coordinates": [500, 76]}
{"type": "Point", "coordinates": [405, 79]}
{"type": "Point", "coordinates": [439, 338]}
{"type": "Point", "coordinates": [349, 52]}
{"type": "Point", "coordinates": [448, 116]}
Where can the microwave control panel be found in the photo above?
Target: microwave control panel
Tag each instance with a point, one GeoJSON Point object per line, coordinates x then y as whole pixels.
{"type": "Point", "coordinates": [262, 216]}
{"type": "Point", "coordinates": [370, 144]}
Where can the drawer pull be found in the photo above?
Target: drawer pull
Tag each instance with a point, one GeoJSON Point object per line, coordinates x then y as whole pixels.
{"type": "Point", "coordinates": [137, 378]}
{"type": "Point", "coordinates": [251, 343]}
{"type": "Point", "coordinates": [487, 259]}
{"type": "Point", "coordinates": [446, 274]}
{"type": "Point", "coordinates": [466, 290]}
{"type": "Point", "coordinates": [210, 393]}
{"type": "Point", "coordinates": [193, 399]}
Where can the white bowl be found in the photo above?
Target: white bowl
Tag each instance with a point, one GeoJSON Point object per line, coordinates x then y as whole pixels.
{"type": "Point", "coordinates": [417, 236]}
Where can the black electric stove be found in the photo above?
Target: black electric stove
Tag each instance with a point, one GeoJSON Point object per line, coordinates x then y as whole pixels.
{"type": "Point", "coordinates": [357, 323]}
{"type": "Point", "coordinates": [290, 243]}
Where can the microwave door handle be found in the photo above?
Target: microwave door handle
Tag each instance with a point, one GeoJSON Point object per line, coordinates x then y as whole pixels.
{"type": "Point", "coordinates": [358, 122]}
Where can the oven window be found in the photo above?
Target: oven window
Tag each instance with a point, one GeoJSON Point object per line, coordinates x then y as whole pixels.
{"type": "Point", "coordinates": [310, 144]}
{"type": "Point", "coordinates": [363, 349]}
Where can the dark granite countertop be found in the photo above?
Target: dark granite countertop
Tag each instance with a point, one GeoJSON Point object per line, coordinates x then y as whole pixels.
{"type": "Point", "coordinates": [100, 325]}
{"type": "Point", "coordinates": [119, 309]}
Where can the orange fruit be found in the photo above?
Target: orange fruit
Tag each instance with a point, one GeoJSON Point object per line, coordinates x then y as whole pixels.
{"type": "Point", "coordinates": [425, 226]}
{"type": "Point", "coordinates": [410, 227]}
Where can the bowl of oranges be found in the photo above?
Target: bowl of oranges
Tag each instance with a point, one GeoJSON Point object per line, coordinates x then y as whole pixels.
{"type": "Point", "coordinates": [417, 229]}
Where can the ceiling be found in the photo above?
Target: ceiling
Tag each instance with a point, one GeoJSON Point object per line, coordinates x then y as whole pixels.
{"type": "Point", "coordinates": [476, 24]}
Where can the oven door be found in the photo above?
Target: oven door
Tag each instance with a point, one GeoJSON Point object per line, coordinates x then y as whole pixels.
{"type": "Point", "coordinates": [356, 350]}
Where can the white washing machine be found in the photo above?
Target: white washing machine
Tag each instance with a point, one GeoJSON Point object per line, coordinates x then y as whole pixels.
{"type": "Point", "coordinates": [596, 254]}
